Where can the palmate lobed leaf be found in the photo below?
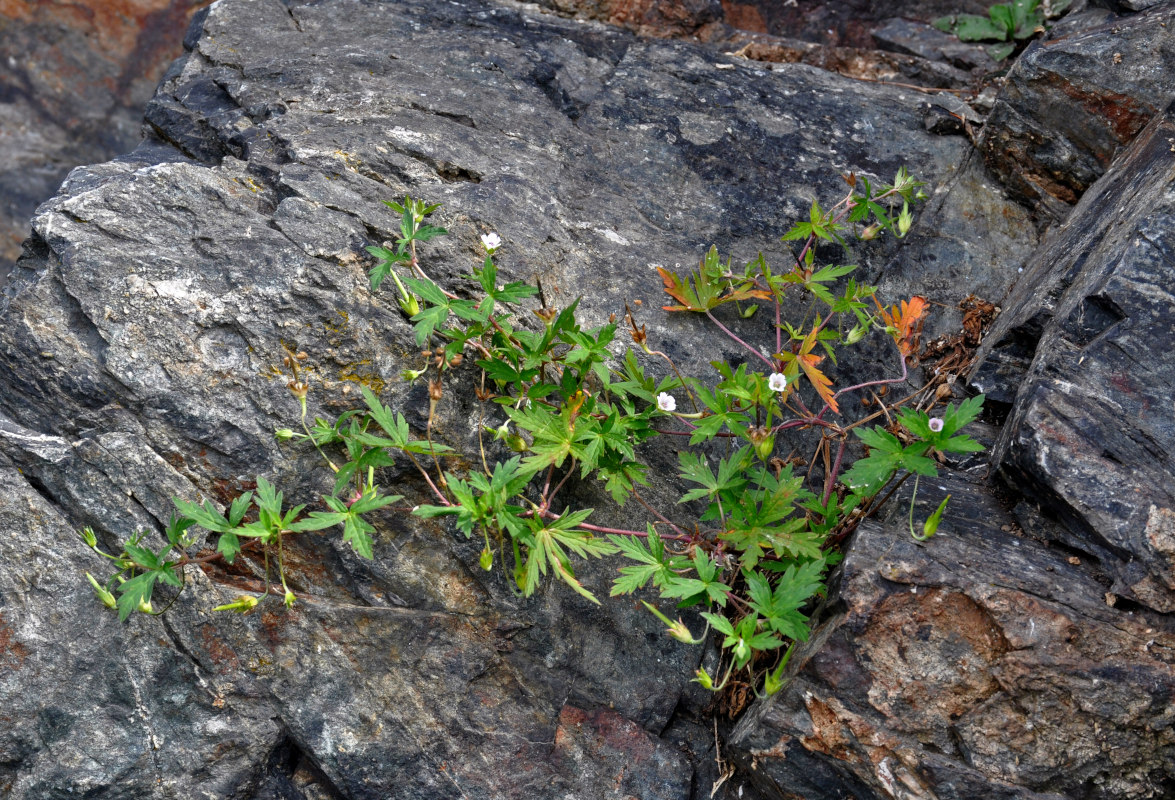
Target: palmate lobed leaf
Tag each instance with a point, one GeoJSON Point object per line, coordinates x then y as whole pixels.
{"type": "Point", "coordinates": [903, 321]}
{"type": "Point", "coordinates": [807, 361]}
{"type": "Point", "coordinates": [706, 288]}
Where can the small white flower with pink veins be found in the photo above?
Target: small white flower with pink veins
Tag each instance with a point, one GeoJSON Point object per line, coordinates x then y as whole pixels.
{"type": "Point", "coordinates": [492, 242]}
{"type": "Point", "coordinates": [666, 402]}
{"type": "Point", "coordinates": [936, 424]}
{"type": "Point", "coordinates": [777, 382]}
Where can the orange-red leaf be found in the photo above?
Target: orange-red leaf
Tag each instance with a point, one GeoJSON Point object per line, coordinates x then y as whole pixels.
{"type": "Point", "coordinates": [808, 361]}
{"type": "Point", "coordinates": [679, 290]}
{"type": "Point", "coordinates": [711, 291]}
{"type": "Point", "coordinates": [904, 321]}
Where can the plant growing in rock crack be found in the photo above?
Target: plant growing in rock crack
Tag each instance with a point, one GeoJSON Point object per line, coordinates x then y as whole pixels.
{"type": "Point", "coordinates": [750, 540]}
{"type": "Point", "coordinates": [1005, 23]}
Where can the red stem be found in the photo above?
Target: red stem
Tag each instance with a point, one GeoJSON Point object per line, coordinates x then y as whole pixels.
{"type": "Point", "coordinates": [732, 335]}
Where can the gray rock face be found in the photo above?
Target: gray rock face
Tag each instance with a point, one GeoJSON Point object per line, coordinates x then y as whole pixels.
{"type": "Point", "coordinates": [141, 344]}
{"type": "Point", "coordinates": [1091, 429]}
{"type": "Point", "coordinates": [980, 665]}
{"type": "Point", "coordinates": [1071, 103]}
{"type": "Point", "coordinates": [1028, 653]}
{"type": "Point", "coordinates": [142, 339]}
{"type": "Point", "coordinates": [75, 79]}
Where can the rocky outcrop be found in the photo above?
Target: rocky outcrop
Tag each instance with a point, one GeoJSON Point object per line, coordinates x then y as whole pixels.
{"type": "Point", "coordinates": [1029, 653]}
{"type": "Point", "coordinates": [142, 338]}
{"type": "Point", "coordinates": [72, 91]}
{"type": "Point", "coordinates": [1091, 428]}
{"type": "Point", "coordinates": [142, 343]}
{"type": "Point", "coordinates": [1072, 102]}
{"type": "Point", "coordinates": [985, 664]}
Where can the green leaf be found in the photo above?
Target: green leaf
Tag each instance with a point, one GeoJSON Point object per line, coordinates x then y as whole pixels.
{"type": "Point", "coordinates": [206, 516]}
{"type": "Point", "coordinates": [238, 508]}
{"type": "Point", "coordinates": [651, 563]}
{"type": "Point", "coordinates": [946, 24]}
{"type": "Point", "coordinates": [177, 526]}
{"type": "Point", "coordinates": [377, 274]}
{"type": "Point", "coordinates": [719, 623]}
{"type": "Point", "coordinates": [1003, 17]}
{"type": "Point", "coordinates": [998, 52]}
{"type": "Point", "coordinates": [967, 412]}
{"type": "Point", "coordinates": [134, 593]}
{"type": "Point", "coordinates": [427, 321]}
{"type": "Point", "coordinates": [228, 546]}
{"type": "Point", "coordinates": [705, 587]}
{"type": "Point", "coordinates": [372, 500]}
{"type": "Point", "coordinates": [960, 444]}
{"type": "Point", "coordinates": [427, 233]}
{"type": "Point", "coordinates": [868, 475]}
{"type": "Point", "coordinates": [879, 438]}
{"type": "Point", "coordinates": [142, 556]}
{"type": "Point", "coordinates": [268, 498]}
{"type": "Point", "coordinates": [973, 28]}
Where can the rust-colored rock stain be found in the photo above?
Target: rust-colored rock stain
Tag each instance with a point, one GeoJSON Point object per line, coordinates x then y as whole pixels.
{"type": "Point", "coordinates": [12, 652]}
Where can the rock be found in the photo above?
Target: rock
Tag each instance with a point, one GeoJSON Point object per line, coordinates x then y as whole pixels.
{"type": "Point", "coordinates": [1070, 104]}
{"type": "Point", "coordinates": [853, 62]}
{"type": "Point", "coordinates": [673, 19]}
{"type": "Point", "coordinates": [72, 92]}
{"type": "Point", "coordinates": [1091, 320]}
{"type": "Point", "coordinates": [832, 37]}
{"type": "Point", "coordinates": [844, 24]}
{"type": "Point", "coordinates": [981, 664]}
{"type": "Point", "coordinates": [925, 41]}
{"type": "Point", "coordinates": [142, 338]}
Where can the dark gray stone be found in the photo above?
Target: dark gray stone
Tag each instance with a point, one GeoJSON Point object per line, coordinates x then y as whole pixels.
{"type": "Point", "coordinates": [1070, 104]}
{"type": "Point", "coordinates": [1090, 432]}
{"type": "Point", "coordinates": [142, 339]}
{"type": "Point", "coordinates": [923, 40]}
{"type": "Point", "coordinates": [72, 89]}
{"type": "Point", "coordinates": [982, 664]}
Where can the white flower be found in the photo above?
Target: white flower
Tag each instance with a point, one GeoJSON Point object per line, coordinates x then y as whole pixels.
{"type": "Point", "coordinates": [665, 402]}
{"type": "Point", "coordinates": [777, 382]}
{"type": "Point", "coordinates": [935, 424]}
{"type": "Point", "coordinates": [492, 242]}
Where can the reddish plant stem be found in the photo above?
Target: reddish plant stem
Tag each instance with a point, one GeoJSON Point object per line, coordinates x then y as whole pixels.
{"type": "Point", "coordinates": [830, 478]}
{"type": "Point", "coordinates": [619, 531]}
{"type": "Point", "coordinates": [899, 379]}
{"type": "Point", "coordinates": [548, 498]}
{"type": "Point", "coordinates": [732, 335]}
{"type": "Point", "coordinates": [444, 500]}
{"type": "Point", "coordinates": [656, 513]}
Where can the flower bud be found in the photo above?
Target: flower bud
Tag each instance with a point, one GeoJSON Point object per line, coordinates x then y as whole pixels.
{"type": "Point", "coordinates": [284, 434]}
{"type": "Point", "coordinates": [90, 539]}
{"type": "Point", "coordinates": [930, 527]}
{"type": "Point", "coordinates": [300, 389]}
{"type": "Point", "coordinates": [703, 678]}
{"type": "Point", "coordinates": [242, 604]}
{"type": "Point", "coordinates": [105, 596]}
{"type": "Point", "coordinates": [763, 442]}
{"type": "Point", "coordinates": [290, 599]}
{"type": "Point", "coordinates": [487, 559]}
{"type": "Point", "coordinates": [681, 632]}
{"type": "Point", "coordinates": [905, 220]}
{"type": "Point", "coordinates": [856, 334]}
{"type": "Point", "coordinates": [411, 374]}
{"type": "Point", "coordinates": [410, 305]}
